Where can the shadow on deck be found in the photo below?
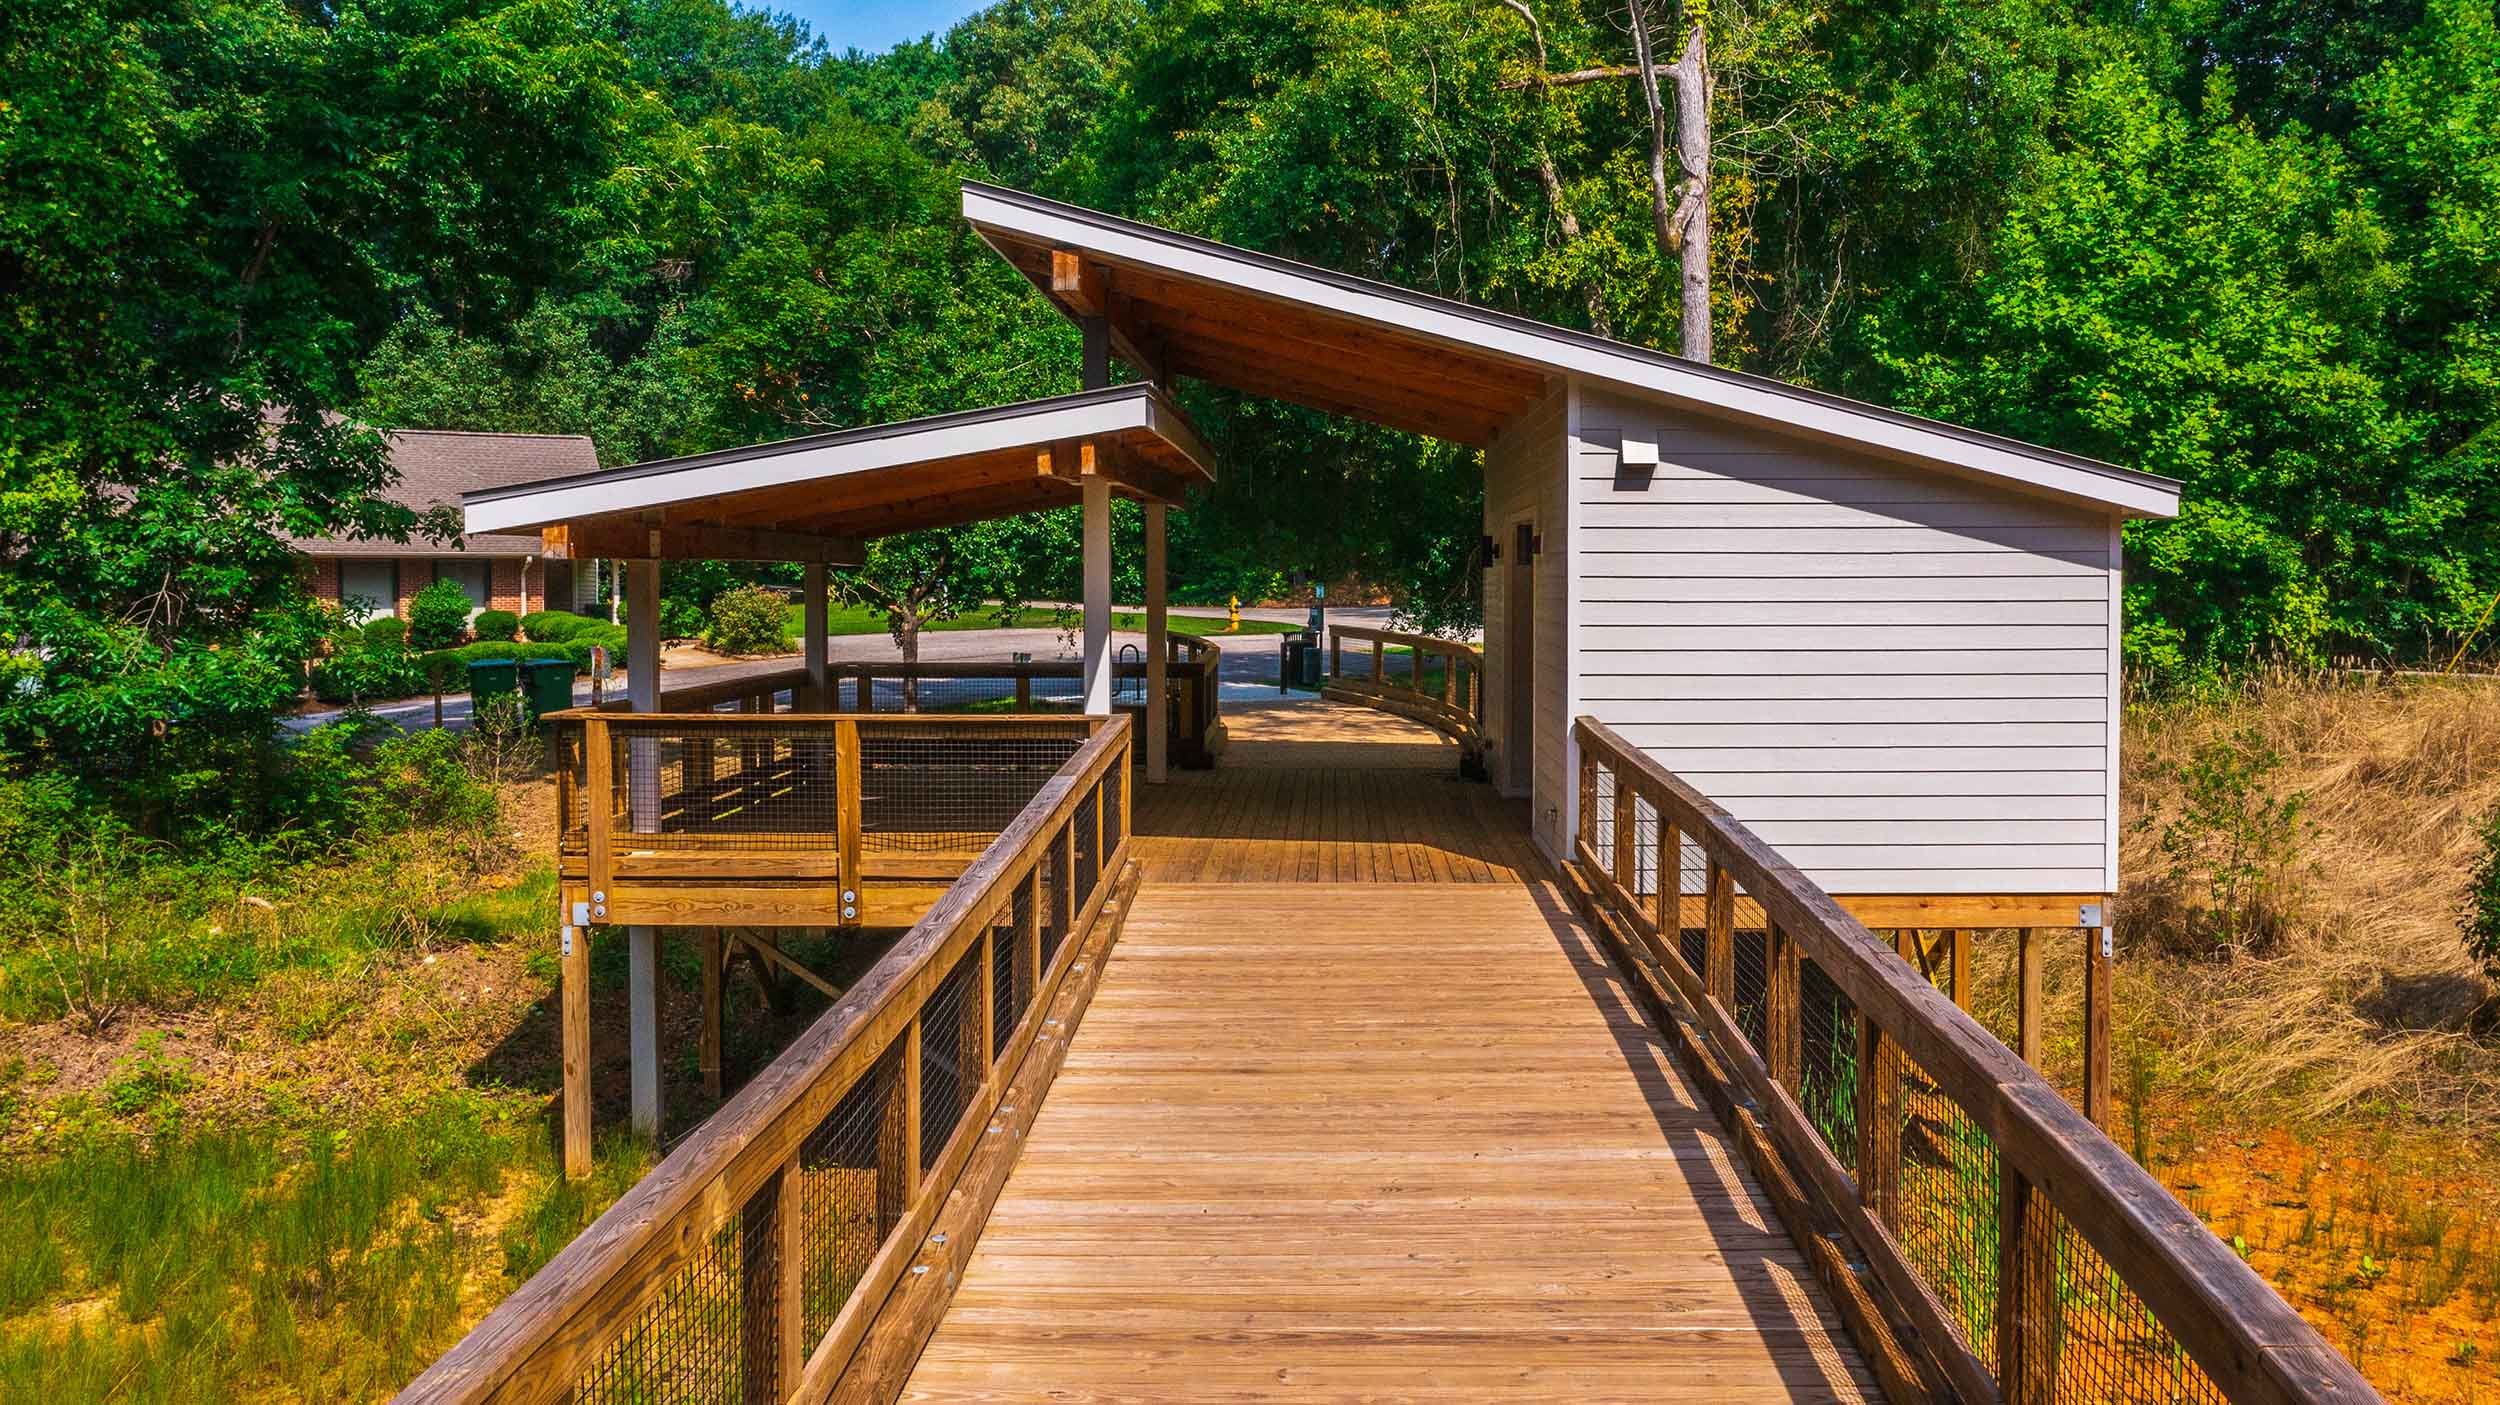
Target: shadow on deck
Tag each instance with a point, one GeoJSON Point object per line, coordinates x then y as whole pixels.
{"type": "Point", "coordinates": [1321, 1137]}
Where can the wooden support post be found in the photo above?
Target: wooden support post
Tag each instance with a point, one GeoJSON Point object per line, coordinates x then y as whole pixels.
{"type": "Point", "coordinates": [1024, 692]}
{"type": "Point", "coordinates": [847, 801]}
{"type": "Point", "coordinates": [2026, 1322]}
{"type": "Point", "coordinates": [1879, 1120]}
{"type": "Point", "coordinates": [573, 991]}
{"type": "Point", "coordinates": [1158, 647]}
{"type": "Point", "coordinates": [986, 980]}
{"type": "Point", "coordinates": [642, 1000]}
{"type": "Point", "coordinates": [1960, 937]}
{"type": "Point", "coordinates": [707, 1050]}
{"type": "Point", "coordinates": [2099, 970]}
{"type": "Point", "coordinates": [815, 623]}
{"type": "Point", "coordinates": [1588, 803]}
{"type": "Point", "coordinates": [790, 1256]}
{"type": "Point", "coordinates": [894, 1159]}
{"type": "Point", "coordinates": [1096, 492]}
{"type": "Point", "coordinates": [1380, 656]}
{"type": "Point", "coordinates": [1063, 892]}
{"type": "Point", "coordinates": [867, 691]}
{"type": "Point", "coordinates": [2027, 1010]}
{"type": "Point", "coordinates": [1336, 654]}
{"type": "Point", "coordinates": [1669, 913]}
{"type": "Point", "coordinates": [1782, 990]}
{"type": "Point", "coordinates": [1721, 952]}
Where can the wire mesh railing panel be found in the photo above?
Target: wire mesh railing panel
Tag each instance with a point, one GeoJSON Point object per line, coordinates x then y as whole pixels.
{"type": "Point", "coordinates": [748, 786]}
{"type": "Point", "coordinates": [1112, 782]}
{"type": "Point", "coordinates": [692, 1341]}
{"type": "Point", "coordinates": [1827, 1060]}
{"type": "Point", "coordinates": [926, 789]}
{"type": "Point", "coordinates": [1753, 986]}
{"type": "Point", "coordinates": [850, 1192]}
{"type": "Point", "coordinates": [1088, 846]}
{"type": "Point", "coordinates": [1946, 1202]}
{"type": "Point", "coordinates": [572, 767]}
{"type": "Point", "coordinates": [2106, 1346]}
{"type": "Point", "coordinates": [1052, 885]}
{"type": "Point", "coordinates": [1601, 812]}
{"type": "Point", "coordinates": [953, 1057]}
{"type": "Point", "coordinates": [1006, 994]}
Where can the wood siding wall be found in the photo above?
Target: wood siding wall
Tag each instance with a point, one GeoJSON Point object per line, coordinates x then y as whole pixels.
{"type": "Point", "coordinates": [1523, 481]}
{"type": "Point", "coordinates": [1901, 680]}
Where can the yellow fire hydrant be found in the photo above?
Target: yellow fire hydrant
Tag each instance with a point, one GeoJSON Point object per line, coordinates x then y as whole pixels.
{"type": "Point", "coordinates": [1235, 626]}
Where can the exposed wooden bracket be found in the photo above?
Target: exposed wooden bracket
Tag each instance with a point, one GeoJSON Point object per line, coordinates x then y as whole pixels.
{"type": "Point", "coordinates": [768, 952]}
{"type": "Point", "coordinates": [637, 541]}
{"type": "Point", "coordinates": [1082, 288]}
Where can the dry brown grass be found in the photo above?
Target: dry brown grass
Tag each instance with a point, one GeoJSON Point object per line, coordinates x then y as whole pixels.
{"type": "Point", "coordinates": [2366, 998]}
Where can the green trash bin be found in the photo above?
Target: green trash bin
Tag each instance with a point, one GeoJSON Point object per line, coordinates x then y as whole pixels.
{"type": "Point", "coordinates": [546, 686]}
{"type": "Point", "coordinates": [492, 678]}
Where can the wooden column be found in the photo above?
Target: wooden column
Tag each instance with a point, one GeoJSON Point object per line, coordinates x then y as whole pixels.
{"type": "Point", "coordinates": [573, 954]}
{"type": "Point", "coordinates": [2026, 1322]}
{"type": "Point", "coordinates": [1960, 937]}
{"type": "Point", "coordinates": [1879, 1120]}
{"type": "Point", "coordinates": [1097, 494]}
{"type": "Point", "coordinates": [642, 983]}
{"type": "Point", "coordinates": [1721, 951]}
{"type": "Point", "coordinates": [817, 621]}
{"type": "Point", "coordinates": [847, 801]}
{"type": "Point", "coordinates": [2027, 1010]}
{"type": "Point", "coordinates": [1782, 975]}
{"type": "Point", "coordinates": [1158, 710]}
{"type": "Point", "coordinates": [2099, 970]}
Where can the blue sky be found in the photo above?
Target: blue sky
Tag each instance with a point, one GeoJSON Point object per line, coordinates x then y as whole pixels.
{"type": "Point", "coordinates": [852, 24]}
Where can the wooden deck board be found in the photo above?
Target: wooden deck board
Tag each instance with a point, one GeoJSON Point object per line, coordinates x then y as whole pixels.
{"type": "Point", "coordinates": [1331, 793]}
{"type": "Point", "coordinates": [1394, 1138]}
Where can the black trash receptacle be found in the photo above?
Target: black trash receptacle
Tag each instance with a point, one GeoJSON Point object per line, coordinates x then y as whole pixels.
{"type": "Point", "coordinates": [546, 686]}
{"type": "Point", "coordinates": [1311, 657]}
{"type": "Point", "coordinates": [1289, 654]}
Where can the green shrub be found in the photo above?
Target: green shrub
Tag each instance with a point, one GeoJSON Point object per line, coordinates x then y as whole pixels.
{"type": "Point", "coordinates": [2481, 918]}
{"type": "Point", "coordinates": [364, 672]}
{"type": "Point", "coordinates": [438, 617]}
{"type": "Point", "coordinates": [386, 632]}
{"type": "Point", "coordinates": [496, 624]}
{"type": "Point", "coordinates": [749, 620]}
{"type": "Point", "coordinates": [553, 626]}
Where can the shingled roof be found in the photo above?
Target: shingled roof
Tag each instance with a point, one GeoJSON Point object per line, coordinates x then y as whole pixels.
{"type": "Point", "coordinates": [437, 465]}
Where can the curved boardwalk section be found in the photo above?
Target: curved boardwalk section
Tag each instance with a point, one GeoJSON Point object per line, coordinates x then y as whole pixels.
{"type": "Point", "coordinates": [1350, 1140]}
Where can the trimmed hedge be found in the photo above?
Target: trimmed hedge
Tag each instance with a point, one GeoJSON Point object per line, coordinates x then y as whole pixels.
{"type": "Point", "coordinates": [438, 615]}
{"type": "Point", "coordinates": [386, 632]}
{"type": "Point", "coordinates": [555, 626]}
{"type": "Point", "coordinates": [362, 672]}
{"type": "Point", "coordinates": [496, 625]}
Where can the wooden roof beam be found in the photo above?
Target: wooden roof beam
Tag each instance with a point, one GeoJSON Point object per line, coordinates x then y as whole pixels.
{"type": "Point", "coordinates": [637, 541]}
{"type": "Point", "coordinates": [1082, 288]}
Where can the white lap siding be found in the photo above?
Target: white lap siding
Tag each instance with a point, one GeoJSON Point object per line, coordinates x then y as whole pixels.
{"type": "Point", "coordinates": [1524, 480]}
{"type": "Point", "coordinates": [1902, 680]}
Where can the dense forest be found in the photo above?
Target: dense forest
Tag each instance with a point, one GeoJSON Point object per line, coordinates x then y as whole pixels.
{"type": "Point", "coordinates": [2252, 244]}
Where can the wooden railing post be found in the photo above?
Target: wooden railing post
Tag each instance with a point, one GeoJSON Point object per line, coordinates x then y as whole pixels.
{"type": "Point", "coordinates": [790, 1220]}
{"type": "Point", "coordinates": [1029, 937]}
{"type": "Point", "coordinates": [1024, 692]}
{"type": "Point", "coordinates": [988, 982]}
{"type": "Point", "coordinates": [1879, 1120]}
{"type": "Point", "coordinates": [1781, 993]}
{"type": "Point", "coordinates": [1721, 951]}
{"type": "Point", "coordinates": [760, 1307]}
{"type": "Point", "coordinates": [1588, 800]}
{"type": "Point", "coordinates": [1670, 898]}
{"type": "Point", "coordinates": [910, 1081]}
{"type": "Point", "coordinates": [599, 807]}
{"type": "Point", "coordinates": [847, 820]}
{"type": "Point", "coordinates": [1336, 653]}
{"type": "Point", "coordinates": [708, 945]}
{"type": "Point", "coordinates": [2026, 1321]}
{"type": "Point", "coordinates": [574, 955]}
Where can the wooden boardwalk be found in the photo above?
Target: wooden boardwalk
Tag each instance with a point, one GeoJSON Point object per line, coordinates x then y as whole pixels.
{"type": "Point", "coordinates": [1345, 1140]}
{"type": "Point", "coordinates": [1331, 793]}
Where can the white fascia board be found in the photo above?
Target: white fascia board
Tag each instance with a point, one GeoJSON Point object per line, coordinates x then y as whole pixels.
{"type": "Point", "coordinates": [625, 491]}
{"type": "Point", "coordinates": [1573, 356]}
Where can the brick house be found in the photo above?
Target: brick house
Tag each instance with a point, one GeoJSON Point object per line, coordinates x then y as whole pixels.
{"type": "Point", "coordinates": [499, 571]}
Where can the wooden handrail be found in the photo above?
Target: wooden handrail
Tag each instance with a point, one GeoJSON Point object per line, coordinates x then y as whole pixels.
{"type": "Point", "coordinates": [2246, 1339]}
{"type": "Point", "coordinates": [1456, 707]}
{"type": "Point", "coordinates": [536, 1344]}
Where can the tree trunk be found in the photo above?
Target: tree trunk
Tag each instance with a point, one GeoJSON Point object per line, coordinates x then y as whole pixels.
{"type": "Point", "coordinates": [910, 638]}
{"type": "Point", "coordinates": [1683, 214]}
